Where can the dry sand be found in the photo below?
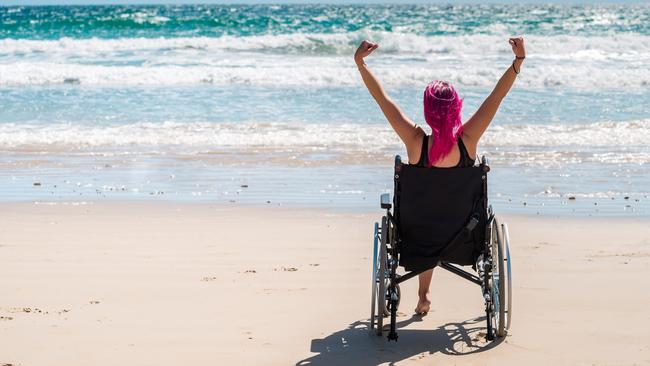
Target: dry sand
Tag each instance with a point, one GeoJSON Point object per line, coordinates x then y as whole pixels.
{"type": "Point", "coordinates": [197, 284]}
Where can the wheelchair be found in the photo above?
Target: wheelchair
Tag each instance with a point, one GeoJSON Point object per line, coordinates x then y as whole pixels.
{"type": "Point", "coordinates": [441, 218]}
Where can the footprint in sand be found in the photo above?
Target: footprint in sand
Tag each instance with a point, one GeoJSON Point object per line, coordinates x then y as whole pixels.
{"type": "Point", "coordinates": [28, 310]}
{"type": "Point", "coordinates": [297, 289]}
{"type": "Point", "coordinates": [540, 244]}
{"type": "Point", "coordinates": [286, 269]}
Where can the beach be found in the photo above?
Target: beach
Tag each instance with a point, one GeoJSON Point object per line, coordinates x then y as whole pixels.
{"type": "Point", "coordinates": [197, 184]}
{"type": "Point", "coordinates": [146, 283]}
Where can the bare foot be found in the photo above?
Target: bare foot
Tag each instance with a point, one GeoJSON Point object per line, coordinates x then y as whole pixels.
{"type": "Point", "coordinates": [423, 307]}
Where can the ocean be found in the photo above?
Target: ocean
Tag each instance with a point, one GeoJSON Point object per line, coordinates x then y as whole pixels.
{"type": "Point", "coordinates": [262, 104]}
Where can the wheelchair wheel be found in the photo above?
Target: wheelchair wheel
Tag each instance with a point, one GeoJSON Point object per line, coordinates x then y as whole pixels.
{"type": "Point", "coordinates": [373, 299]}
{"type": "Point", "coordinates": [382, 269]}
{"type": "Point", "coordinates": [381, 299]}
{"type": "Point", "coordinates": [388, 302]}
{"type": "Point", "coordinates": [506, 237]}
{"type": "Point", "coordinates": [390, 262]}
{"type": "Point", "coordinates": [498, 279]}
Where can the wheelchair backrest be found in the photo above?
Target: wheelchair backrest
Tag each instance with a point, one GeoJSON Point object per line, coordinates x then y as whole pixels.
{"type": "Point", "coordinates": [433, 204]}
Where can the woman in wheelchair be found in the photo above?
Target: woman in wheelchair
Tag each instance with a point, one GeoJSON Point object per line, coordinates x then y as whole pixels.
{"type": "Point", "coordinates": [452, 143]}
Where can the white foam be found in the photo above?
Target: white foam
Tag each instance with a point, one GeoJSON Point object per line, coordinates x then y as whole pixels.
{"type": "Point", "coordinates": [619, 60]}
{"type": "Point", "coordinates": [605, 142]}
{"type": "Point", "coordinates": [602, 134]}
{"type": "Point", "coordinates": [557, 46]}
{"type": "Point", "coordinates": [199, 135]}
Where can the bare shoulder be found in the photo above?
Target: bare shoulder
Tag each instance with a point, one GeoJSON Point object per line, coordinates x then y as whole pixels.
{"type": "Point", "coordinates": [471, 131]}
{"type": "Point", "coordinates": [419, 131]}
{"type": "Point", "coordinates": [471, 144]}
{"type": "Point", "coordinates": [413, 147]}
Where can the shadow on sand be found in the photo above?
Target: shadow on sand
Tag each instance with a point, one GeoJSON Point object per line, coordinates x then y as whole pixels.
{"type": "Point", "coordinates": [355, 345]}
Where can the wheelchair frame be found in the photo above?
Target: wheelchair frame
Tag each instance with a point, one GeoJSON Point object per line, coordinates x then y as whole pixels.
{"type": "Point", "coordinates": [494, 259]}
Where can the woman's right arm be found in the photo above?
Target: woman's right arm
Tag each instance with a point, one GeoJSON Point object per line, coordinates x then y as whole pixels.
{"type": "Point", "coordinates": [403, 126]}
{"type": "Point", "coordinates": [479, 122]}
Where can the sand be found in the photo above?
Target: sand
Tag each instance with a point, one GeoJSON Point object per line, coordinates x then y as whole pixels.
{"type": "Point", "coordinates": [142, 283]}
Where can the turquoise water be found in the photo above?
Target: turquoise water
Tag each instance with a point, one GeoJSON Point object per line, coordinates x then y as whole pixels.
{"type": "Point", "coordinates": [121, 21]}
{"type": "Point", "coordinates": [263, 103]}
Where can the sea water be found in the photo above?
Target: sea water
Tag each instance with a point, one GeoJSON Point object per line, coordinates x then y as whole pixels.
{"type": "Point", "coordinates": [263, 104]}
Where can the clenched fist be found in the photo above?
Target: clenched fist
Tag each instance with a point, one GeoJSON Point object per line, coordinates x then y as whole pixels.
{"type": "Point", "coordinates": [365, 48]}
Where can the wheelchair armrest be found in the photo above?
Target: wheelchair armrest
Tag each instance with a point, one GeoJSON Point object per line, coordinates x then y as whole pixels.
{"type": "Point", "coordinates": [384, 200]}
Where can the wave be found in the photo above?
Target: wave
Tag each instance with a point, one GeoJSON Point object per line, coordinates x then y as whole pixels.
{"type": "Point", "coordinates": [328, 74]}
{"type": "Point", "coordinates": [608, 142]}
{"type": "Point", "coordinates": [630, 46]}
{"type": "Point", "coordinates": [324, 60]}
{"type": "Point", "coordinates": [618, 135]}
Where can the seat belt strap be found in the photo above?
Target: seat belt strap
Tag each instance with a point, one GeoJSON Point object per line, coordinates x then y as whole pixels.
{"type": "Point", "coordinates": [461, 235]}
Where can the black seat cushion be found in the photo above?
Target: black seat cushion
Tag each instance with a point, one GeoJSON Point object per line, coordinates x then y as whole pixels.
{"type": "Point", "coordinates": [432, 206]}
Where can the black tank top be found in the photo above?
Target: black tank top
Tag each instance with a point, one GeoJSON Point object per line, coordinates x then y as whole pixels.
{"type": "Point", "coordinates": [464, 162]}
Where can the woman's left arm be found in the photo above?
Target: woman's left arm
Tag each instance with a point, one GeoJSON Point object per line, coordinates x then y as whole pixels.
{"type": "Point", "coordinates": [403, 126]}
{"type": "Point", "coordinates": [479, 122]}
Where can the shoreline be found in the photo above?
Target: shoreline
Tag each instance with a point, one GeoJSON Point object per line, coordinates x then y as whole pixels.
{"type": "Point", "coordinates": [574, 189]}
{"type": "Point", "coordinates": [317, 207]}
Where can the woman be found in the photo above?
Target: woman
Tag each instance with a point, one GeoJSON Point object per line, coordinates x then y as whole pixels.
{"type": "Point", "coordinates": [451, 143]}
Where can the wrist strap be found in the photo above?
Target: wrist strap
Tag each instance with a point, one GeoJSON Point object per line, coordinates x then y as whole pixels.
{"type": "Point", "coordinates": [513, 68]}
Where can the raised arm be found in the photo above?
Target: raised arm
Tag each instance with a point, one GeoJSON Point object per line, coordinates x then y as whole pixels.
{"type": "Point", "coordinates": [404, 127]}
{"type": "Point", "coordinates": [479, 122]}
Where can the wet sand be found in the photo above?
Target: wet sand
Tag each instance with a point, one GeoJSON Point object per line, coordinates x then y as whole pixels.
{"type": "Point", "coordinates": [142, 283]}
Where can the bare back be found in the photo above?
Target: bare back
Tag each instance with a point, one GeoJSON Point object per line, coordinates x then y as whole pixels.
{"type": "Point", "coordinates": [414, 151]}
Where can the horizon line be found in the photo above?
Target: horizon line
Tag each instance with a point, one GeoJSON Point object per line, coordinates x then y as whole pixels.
{"type": "Point", "coordinates": [18, 3]}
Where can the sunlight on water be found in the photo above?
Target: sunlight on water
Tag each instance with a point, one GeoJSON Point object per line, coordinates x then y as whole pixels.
{"type": "Point", "coordinates": [258, 104]}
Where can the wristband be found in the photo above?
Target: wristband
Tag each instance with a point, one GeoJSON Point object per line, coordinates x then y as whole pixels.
{"type": "Point", "coordinates": [513, 68]}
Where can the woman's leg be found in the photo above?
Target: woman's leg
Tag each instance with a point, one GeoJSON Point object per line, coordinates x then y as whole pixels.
{"type": "Point", "coordinates": [423, 292]}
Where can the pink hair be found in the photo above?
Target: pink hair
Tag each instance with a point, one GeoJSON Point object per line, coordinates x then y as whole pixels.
{"type": "Point", "coordinates": [442, 108]}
